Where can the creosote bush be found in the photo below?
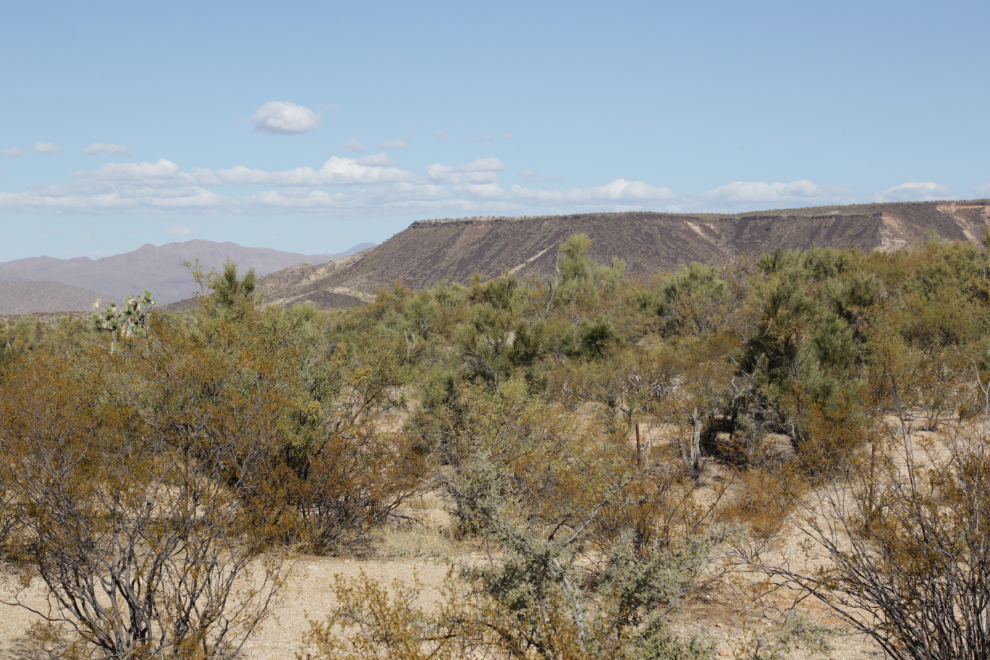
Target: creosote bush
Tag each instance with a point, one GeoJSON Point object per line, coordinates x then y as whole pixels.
{"type": "Point", "coordinates": [135, 487]}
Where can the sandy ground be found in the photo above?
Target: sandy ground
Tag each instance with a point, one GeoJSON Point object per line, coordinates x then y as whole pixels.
{"type": "Point", "coordinates": [308, 596]}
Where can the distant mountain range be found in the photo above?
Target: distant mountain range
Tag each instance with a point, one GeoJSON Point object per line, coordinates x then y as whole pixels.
{"type": "Point", "coordinates": [46, 284]}
{"type": "Point", "coordinates": [430, 251]}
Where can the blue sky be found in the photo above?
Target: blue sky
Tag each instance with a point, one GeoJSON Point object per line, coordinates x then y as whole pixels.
{"type": "Point", "coordinates": [310, 127]}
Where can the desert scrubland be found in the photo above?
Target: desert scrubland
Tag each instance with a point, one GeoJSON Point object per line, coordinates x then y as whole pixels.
{"type": "Point", "coordinates": [784, 456]}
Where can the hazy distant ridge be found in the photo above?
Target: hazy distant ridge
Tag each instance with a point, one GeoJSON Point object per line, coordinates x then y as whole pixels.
{"type": "Point", "coordinates": [31, 297]}
{"type": "Point", "coordinates": [149, 267]}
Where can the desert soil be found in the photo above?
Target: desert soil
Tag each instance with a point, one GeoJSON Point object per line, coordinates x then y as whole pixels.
{"type": "Point", "coordinates": [308, 596]}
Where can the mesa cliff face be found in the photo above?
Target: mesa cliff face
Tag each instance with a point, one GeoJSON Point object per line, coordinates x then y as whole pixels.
{"type": "Point", "coordinates": [430, 251]}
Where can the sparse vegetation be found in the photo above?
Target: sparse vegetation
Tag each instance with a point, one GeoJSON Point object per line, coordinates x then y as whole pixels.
{"type": "Point", "coordinates": [618, 446]}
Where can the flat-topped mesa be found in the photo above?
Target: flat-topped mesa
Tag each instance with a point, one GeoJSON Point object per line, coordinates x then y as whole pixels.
{"type": "Point", "coordinates": [454, 249]}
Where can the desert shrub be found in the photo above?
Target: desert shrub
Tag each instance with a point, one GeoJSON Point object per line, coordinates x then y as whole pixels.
{"type": "Point", "coordinates": [902, 543]}
{"type": "Point", "coordinates": [591, 550]}
{"type": "Point", "coordinates": [538, 596]}
{"type": "Point", "coordinates": [579, 280]}
{"type": "Point", "coordinates": [345, 484]}
{"type": "Point", "coordinates": [691, 301]}
{"type": "Point", "coordinates": [139, 483]}
{"type": "Point", "coordinates": [344, 471]}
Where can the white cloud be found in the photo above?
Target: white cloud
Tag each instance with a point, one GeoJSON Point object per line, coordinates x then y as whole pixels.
{"type": "Point", "coordinates": [188, 199]}
{"type": "Point", "coordinates": [483, 138]}
{"type": "Point", "coordinates": [162, 172]}
{"type": "Point", "coordinates": [394, 144]}
{"type": "Point", "coordinates": [178, 230]}
{"type": "Point", "coordinates": [12, 153]}
{"type": "Point", "coordinates": [335, 171]}
{"type": "Point", "coordinates": [619, 190]}
{"type": "Point", "coordinates": [480, 171]}
{"type": "Point", "coordinates": [370, 186]}
{"type": "Point", "coordinates": [508, 136]}
{"type": "Point", "coordinates": [112, 149]}
{"type": "Point", "coordinates": [798, 192]}
{"type": "Point", "coordinates": [482, 165]}
{"type": "Point", "coordinates": [353, 146]}
{"type": "Point", "coordinates": [377, 159]}
{"type": "Point", "coordinates": [441, 134]}
{"type": "Point", "coordinates": [982, 190]}
{"type": "Point", "coordinates": [484, 190]}
{"type": "Point", "coordinates": [46, 148]}
{"type": "Point", "coordinates": [914, 192]}
{"type": "Point", "coordinates": [282, 117]}
{"type": "Point", "coordinates": [205, 177]}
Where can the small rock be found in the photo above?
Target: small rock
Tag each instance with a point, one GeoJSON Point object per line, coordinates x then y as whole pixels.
{"type": "Point", "coordinates": [723, 653]}
{"type": "Point", "coordinates": [720, 625]}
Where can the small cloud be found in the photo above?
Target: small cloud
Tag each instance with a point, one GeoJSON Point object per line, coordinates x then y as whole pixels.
{"type": "Point", "coordinates": [354, 146]}
{"type": "Point", "coordinates": [508, 136]}
{"type": "Point", "coordinates": [162, 172]}
{"type": "Point", "coordinates": [441, 134]}
{"type": "Point", "coordinates": [915, 192]}
{"type": "Point", "coordinates": [125, 230]}
{"type": "Point", "coordinates": [982, 190]}
{"type": "Point", "coordinates": [381, 160]}
{"type": "Point", "coordinates": [86, 237]}
{"type": "Point", "coordinates": [12, 153]}
{"type": "Point", "coordinates": [394, 144]}
{"type": "Point", "coordinates": [335, 171]}
{"type": "Point", "coordinates": [802, 191]}
{"type": "Point", "coordinates": [329, 107]}
{"type": "Point", "coordinates": [482, 165]}
{"type": "Point", "coordinates": [112, 149]}
{"type": "Point", "coordinates": [282, 117]}
{"type": "Point", "coordinates": [45, 148]}
{"type": "Point", "coordinates": [480, 171]}
{"type": "Point", "coordinates": [619, 190]}
{"type": "Point", "coordinates": [178, 230]}
{"type": "Point", "coordinates": [483, 138]}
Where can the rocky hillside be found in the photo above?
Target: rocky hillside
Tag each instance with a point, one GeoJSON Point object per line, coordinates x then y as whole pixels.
{"type": "Point", "coordinates": [430, 251]}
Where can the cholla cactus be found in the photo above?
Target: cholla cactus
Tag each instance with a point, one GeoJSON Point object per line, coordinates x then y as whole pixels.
{"type": "Point", "coordinates": [131, 321]}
